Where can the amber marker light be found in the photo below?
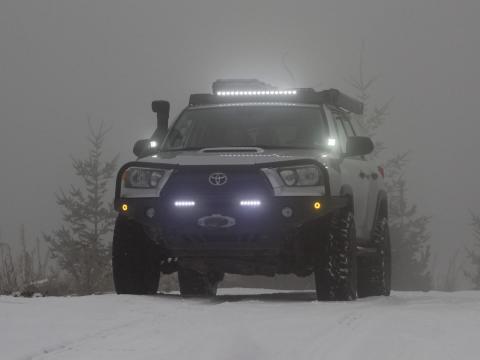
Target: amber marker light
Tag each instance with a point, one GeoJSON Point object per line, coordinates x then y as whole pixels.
{"type": "Point", "coordinates": [317, 205]}
{"type": "Point", "coordinates": [125, 207]}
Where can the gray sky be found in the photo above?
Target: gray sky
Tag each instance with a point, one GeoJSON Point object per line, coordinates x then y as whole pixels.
{"type": "Point", "coordinates": [62, 60]}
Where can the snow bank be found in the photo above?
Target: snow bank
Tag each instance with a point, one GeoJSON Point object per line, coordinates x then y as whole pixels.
{"type": "Point", "coordinates": [241, 324]}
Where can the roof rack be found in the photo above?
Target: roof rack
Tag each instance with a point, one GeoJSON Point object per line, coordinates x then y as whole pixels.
{"type": "Point", "coordinates": [331, 97]}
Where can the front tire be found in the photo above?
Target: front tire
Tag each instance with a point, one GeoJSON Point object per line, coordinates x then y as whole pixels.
{"type": "Point", "coordinates": [336, 270]}
{"type": "Point", "coordinates": [135, 259]}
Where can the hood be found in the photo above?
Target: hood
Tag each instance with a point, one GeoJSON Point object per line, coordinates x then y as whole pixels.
{"type": "Point", "coordinates": [226, 157]}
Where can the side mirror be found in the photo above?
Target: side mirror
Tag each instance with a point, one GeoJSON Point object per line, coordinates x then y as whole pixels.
{"type": "Point", "coordinates": [359, 145]}
{"type": "Point", "coordinates": [141, 147]}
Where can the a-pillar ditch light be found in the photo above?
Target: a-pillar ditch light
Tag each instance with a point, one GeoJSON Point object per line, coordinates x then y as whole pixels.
{"type": "Point", "coordinates": [250, 203]}
{"type": "Point", "coordinates": [184, 203]}
{"type": "Point", "coordinates": [257, 93]}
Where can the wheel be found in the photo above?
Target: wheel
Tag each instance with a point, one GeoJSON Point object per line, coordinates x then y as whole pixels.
{"type": "Point", "coordinates": [135, 259]}
{"type": "Point", "coordinates": [336, 268]}
{"type": "Point", "coordinates": [374, 272]}
{"type": "Point", "coordinates": [193, 283]}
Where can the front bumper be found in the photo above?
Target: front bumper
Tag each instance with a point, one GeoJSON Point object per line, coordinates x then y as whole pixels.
{"type": "Point", "coordinates": [224, 226]}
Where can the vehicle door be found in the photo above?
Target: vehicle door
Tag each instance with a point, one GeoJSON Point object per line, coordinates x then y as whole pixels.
{"type": "Point", "coordinates": [354, 171]}
{"type": "Point", "coordinates": [375, 175]}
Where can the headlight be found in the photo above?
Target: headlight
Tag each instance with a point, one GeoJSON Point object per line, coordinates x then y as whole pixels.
{"type": "Point", "coordinates": [141, 178]}
{"type": "Point", "coordinates": [301, 176]}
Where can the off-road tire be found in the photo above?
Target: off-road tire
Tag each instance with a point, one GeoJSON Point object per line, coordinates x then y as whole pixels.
{"type": "Point", "coordinates": [195, 284]}
{"type": "Point", "coordinates": [135, 259]}
{"type": "Point", "coordinates": [336, 269]}
{"type": "Point", "coordinates": [374, 271]}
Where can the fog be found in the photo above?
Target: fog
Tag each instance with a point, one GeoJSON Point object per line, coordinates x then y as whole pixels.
{"type": "Point", "coordinates": [63, 61]}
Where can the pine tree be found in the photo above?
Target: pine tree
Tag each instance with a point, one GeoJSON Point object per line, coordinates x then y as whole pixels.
{"type": "Point", "coordinates": [408, 229]}
{"type": "Point", "coordinates": [408, 232]}
{"type": "Point", "coordinates": [80, 245]}
{"type": "Point", "coordinates": [474, 254]}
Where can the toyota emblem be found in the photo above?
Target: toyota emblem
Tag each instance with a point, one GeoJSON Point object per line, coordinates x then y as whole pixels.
{"type": "Point", "coordinates": [217, 179]}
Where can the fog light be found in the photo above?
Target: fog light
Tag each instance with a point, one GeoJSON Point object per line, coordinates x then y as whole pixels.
{"type": "Point", "coordinates": [317, 205]}
{"type": "Point", "coordinates": [287, 212]}
{"type": "Point", "coordinates": [124, 207]}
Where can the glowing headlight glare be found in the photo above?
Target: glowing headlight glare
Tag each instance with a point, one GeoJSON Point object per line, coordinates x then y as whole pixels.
{"type": "Point", "coordinates": [331, 142]}
{"type": "Point", "coordinates": [184, 203]}
{"type": "Point", "coordinates": [153, 144]}
{"type": "Point", "coordinates": [250, 203]}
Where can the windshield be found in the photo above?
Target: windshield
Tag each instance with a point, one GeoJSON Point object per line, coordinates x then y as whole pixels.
{"type": "Point", "coordinates": [249, 126]}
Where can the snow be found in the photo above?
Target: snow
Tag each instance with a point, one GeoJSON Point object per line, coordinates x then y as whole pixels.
{"type": "Point", "coordinates": [241, 324]}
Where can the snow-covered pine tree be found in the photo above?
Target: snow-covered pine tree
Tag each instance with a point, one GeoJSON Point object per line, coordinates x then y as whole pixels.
{"type": "Point", "coordinates": [80, 245]}
{"type": "Point", "coordinates": [474, 254]}
{"type": "Point", "coordinates": [408, 229]}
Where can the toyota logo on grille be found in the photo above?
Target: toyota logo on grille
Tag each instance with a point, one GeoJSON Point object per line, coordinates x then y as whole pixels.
{"type": "Point", "coordinates": [218, 179]}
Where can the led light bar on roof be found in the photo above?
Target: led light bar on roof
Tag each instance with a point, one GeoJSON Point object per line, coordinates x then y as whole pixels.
{"type": "Point", "coordinates": [231, 94]}
{"type": "Point", "coordinates": [257, 92]}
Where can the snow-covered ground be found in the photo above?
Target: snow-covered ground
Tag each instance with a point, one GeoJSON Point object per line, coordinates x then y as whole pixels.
{"type": "Point", "coordinates": [241, 324]}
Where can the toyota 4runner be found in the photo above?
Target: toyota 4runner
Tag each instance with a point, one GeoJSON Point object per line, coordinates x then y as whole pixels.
{"type": "Point", "coordinates": [254, 180]}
